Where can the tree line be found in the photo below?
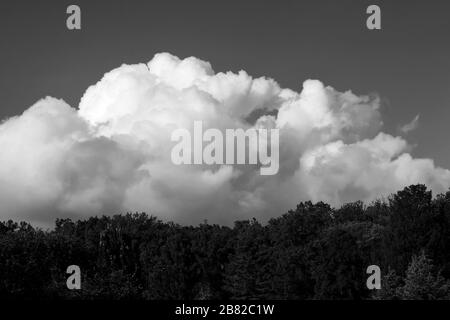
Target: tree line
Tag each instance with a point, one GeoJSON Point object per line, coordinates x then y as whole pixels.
{"type": "Point", "coordinates": [312, 252]}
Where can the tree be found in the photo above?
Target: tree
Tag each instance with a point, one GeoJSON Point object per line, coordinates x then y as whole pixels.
{"type": "Point", "coordinates": [410, 225]}
{"type": "Point", "coordinates": [389, 287]}
{"type": "Point", "coordinates": [312, 252]}
{"type": "Point", "coordinates": [422, 282]}
{"type": "Point", "coordinates": [337, 266]}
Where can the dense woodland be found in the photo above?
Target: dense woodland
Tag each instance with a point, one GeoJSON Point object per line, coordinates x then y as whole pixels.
{"type": "Point", "coordinates": [312, 252]}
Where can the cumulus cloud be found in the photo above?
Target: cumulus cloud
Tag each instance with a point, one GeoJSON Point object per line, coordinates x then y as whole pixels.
{"type": "Point", "coordinates": [410, 126]}
{"type": "Point", "coordinates": [112, 154]}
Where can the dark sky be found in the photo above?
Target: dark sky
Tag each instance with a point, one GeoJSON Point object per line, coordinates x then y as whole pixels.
{"type": "Point", "coordinates": [406, 63]}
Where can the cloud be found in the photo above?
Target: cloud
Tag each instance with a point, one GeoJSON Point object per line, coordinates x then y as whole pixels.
{"type": "Point", "coordinates": [410, 126]}
{"type": "Point", "coordinates": [112, 154]}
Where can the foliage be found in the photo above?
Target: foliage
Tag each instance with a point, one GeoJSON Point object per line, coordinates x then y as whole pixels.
{"type": "Point", "coordinates": [312, 252]}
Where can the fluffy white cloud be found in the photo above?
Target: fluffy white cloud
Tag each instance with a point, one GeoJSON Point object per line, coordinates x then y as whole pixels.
{"type": "Point", "coordinates": [410, 126]}
{"type": "Point", "coordinates": [113, 154]}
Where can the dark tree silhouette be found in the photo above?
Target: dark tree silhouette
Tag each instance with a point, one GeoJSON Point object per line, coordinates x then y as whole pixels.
{"type": "Point", "coordinates": [312, 252]}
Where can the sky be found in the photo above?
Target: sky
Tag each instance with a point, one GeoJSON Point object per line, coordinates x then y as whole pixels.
{"type": "Point", "coordinates": [405, 64]}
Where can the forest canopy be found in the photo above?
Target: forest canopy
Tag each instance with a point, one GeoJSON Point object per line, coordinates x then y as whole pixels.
{"type": "Point", "coordinates": [311, 252]}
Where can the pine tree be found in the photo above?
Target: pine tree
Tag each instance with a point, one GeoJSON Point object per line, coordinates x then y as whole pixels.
{"type": "Point", "coordinates": [422, 283]}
